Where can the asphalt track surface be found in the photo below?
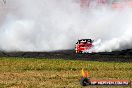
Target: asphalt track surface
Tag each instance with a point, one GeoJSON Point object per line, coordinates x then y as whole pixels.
{"type": "Point", "coordinates": [70, 55]}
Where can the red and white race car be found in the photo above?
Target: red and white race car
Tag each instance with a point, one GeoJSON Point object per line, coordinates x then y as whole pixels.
{"type": "Point", "coordinates": [83, 44]}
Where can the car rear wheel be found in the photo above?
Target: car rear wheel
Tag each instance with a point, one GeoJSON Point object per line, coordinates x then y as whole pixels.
{"type": "Point", "coordinates": [80, 51]}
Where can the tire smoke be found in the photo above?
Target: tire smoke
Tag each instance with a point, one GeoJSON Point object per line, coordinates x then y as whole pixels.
{"type": "Point", "coordinates": [47, 25]}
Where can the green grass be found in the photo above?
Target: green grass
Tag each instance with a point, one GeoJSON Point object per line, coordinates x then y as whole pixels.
{"type": "Point", "coordinates": [58, 73]}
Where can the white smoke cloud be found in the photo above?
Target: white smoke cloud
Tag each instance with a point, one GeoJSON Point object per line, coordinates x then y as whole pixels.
{"type": "Point", "coordinates": [121, 33]}
{"type": "Point", "coordinates": [45, 25]}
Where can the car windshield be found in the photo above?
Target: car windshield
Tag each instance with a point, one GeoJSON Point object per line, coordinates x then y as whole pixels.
{"type": "Point", "coordinates": [85, 41]}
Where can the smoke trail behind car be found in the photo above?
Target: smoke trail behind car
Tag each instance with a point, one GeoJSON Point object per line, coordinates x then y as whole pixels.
{"type": "Point", "coordinates": [46, 25]}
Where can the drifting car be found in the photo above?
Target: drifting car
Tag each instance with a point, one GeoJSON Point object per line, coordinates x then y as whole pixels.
{"type": "Point", "coordinates": [83, 45]}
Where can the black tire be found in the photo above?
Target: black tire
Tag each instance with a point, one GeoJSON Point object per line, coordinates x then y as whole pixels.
{"type": "Point", "coordinates": [80, 52]}
{"type": "Point", "coordinates": [84, 82]}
